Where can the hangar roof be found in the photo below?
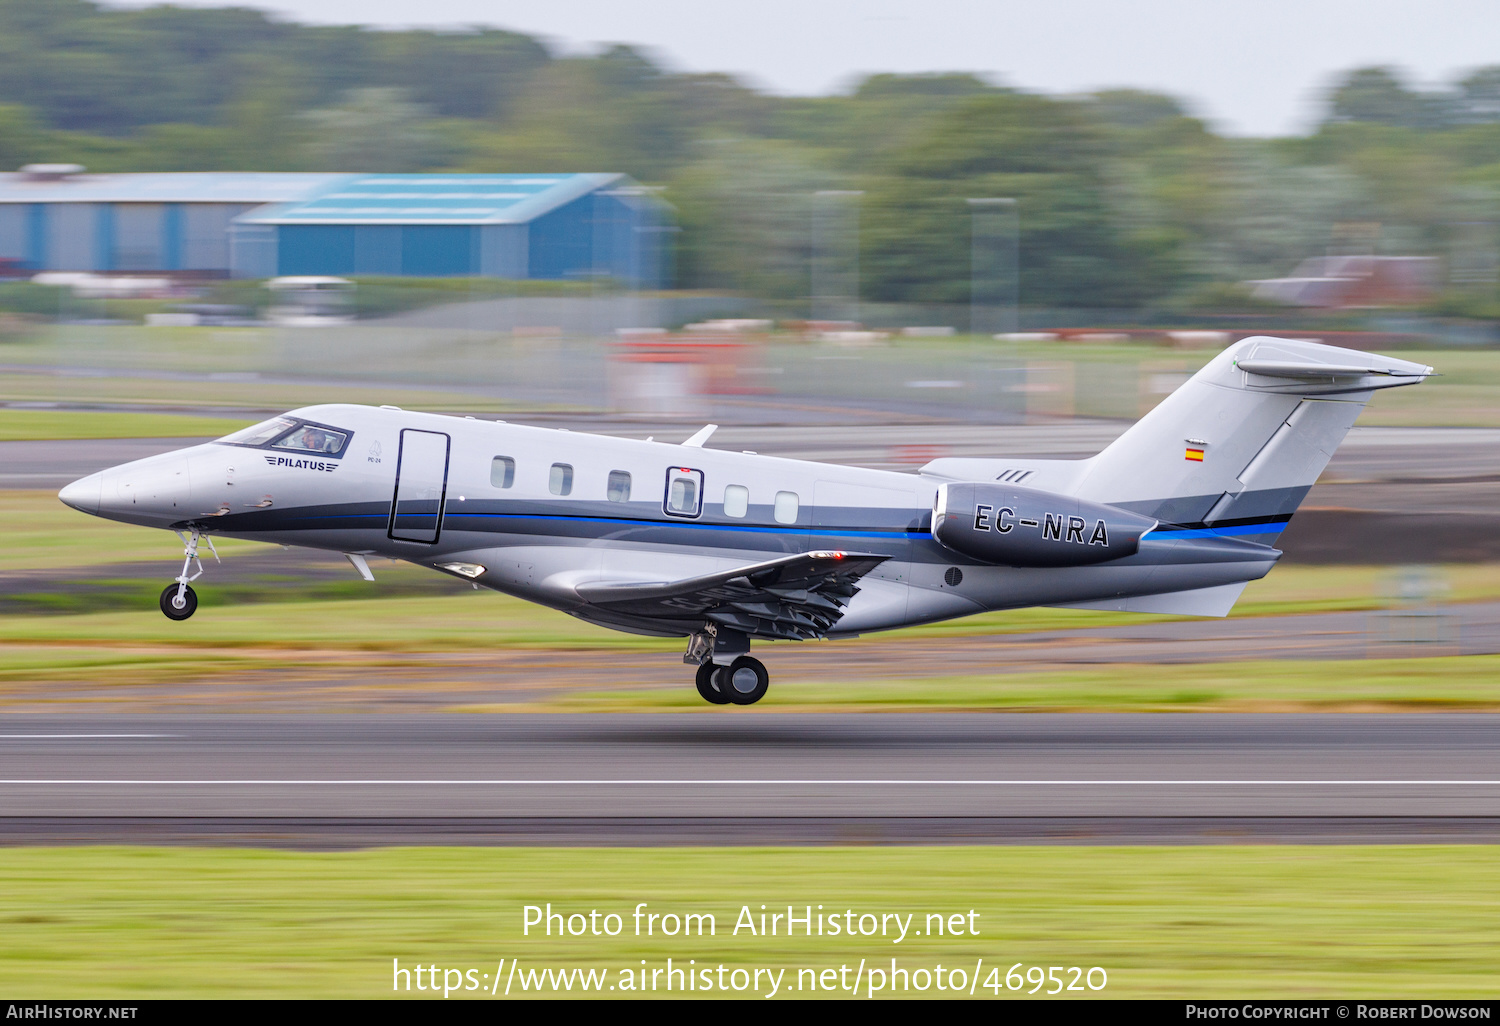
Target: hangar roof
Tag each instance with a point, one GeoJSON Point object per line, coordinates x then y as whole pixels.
{"type": "Point", "coordinates": [434, 199]}
{"type": "Point", "coordinates": [167, 187]}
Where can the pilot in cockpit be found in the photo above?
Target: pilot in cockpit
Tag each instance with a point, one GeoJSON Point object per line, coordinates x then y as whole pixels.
{"type": "Point", "coordinates": [317, 440]}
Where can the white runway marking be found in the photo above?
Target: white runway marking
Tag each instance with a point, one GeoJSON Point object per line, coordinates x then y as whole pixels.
{"type": "Point", "coordinates": [736, 782]}
{"type": "Point", "coordinates": [31, 737]}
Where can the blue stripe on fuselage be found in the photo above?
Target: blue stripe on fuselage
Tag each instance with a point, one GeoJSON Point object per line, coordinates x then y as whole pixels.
{"type": "Point", "coordinates": [786, 529]}
{"type": "Point", "coordinates": [1219, 532]}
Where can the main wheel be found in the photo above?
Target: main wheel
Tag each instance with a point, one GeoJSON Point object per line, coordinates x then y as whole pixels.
{"type": "Point", "coordinates": [709, 676]}
{"type": "Point", "coordinates": [746, 681]}
{"type": "Point", "coordinates": [178, 609]}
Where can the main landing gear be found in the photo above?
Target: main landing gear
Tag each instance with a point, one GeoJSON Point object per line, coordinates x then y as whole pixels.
{"type": "Point", "coordinates": [178, 600]}
{"type": "Point", "coordinates": [727, 673]}
{"type": "Point", "coordinates": [743, 682]}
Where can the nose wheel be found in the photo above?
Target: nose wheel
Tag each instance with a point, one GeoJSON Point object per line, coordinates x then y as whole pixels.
{"type": "Point", "coordinates": [178, 600]}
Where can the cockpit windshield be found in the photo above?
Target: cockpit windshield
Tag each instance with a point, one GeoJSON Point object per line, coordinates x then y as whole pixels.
{"type": "Point", "coordinates": [291, 434]}
{"type": "Point", "coordinates": [261, 433]}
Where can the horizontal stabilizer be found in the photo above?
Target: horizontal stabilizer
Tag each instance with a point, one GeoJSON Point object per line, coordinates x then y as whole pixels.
{"type": "Point", "coordinates": [1215, 601]}
{"type": "Point", "coordinates": [1307, 370]}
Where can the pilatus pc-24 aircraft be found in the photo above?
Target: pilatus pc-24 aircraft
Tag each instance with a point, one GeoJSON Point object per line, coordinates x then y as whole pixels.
{"type": "Point", "coordinates": [723, 548]}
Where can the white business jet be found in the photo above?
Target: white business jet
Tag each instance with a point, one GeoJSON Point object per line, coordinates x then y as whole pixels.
{"type": "Point", "coordinates": [1175, 516]}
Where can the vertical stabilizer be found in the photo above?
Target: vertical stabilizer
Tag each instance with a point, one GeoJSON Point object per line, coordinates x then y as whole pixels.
{"type": "Point", "coordinates": [1236, 448]}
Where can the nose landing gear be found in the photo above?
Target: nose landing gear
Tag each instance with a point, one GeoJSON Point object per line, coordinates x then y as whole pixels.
{"type": "Point", "coordinates": [727, 674]}
{"type": "Point", "coordinates": [179, 601]}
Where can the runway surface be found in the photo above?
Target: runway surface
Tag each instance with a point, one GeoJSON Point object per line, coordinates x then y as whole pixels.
{"type": "Point", "coordinates": [739, 776]}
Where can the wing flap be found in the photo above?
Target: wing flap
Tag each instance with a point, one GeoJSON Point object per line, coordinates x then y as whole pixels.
{"type": "Point", "coordinates": [798, 596]}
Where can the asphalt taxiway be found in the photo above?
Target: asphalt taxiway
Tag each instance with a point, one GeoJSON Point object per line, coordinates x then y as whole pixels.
{"type": "Point", "coordinates": [740, 776]}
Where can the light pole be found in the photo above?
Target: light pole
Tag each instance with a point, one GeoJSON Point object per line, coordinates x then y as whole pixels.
{"type": "Point", "coordinates": [635, 234]}
{"type": "Point", "coordinates": [994, 266]}
{"type": "Point", "coordinates": [835, 255]}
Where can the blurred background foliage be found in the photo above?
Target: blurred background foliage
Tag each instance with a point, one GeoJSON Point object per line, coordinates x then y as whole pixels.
{"type": "Point", "coordinates": [1126, 198]}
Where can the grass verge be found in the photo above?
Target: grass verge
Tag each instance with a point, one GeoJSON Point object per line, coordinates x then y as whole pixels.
{"type": "Point", "coordinates": [254, 394]}
{"type": "Point", "coordinates": [1181, 922]}
{"type": "Point", "coordinates": [893, 683]}
{"type": "Point", "coordinates": [1373, 685]}
{"type": "Point", "coordinates": [33, 425]}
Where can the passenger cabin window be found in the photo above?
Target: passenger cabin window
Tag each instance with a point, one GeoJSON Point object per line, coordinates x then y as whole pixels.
{"type": "Point", "coordinates": [786, 507]}
{"type": "Point", "coordinates": [619, 486]}
{"type": "Point", "coordinates": [684, 492]}
{"type": "Point", "coordinates": [502, 472]}
{"type": "Point", "coordinates": [560, 481]}
{"type": "Point", "coordinates": [736, 500]}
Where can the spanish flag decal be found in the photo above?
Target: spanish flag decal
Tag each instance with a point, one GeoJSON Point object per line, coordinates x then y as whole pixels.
{"type": "Point", "coordinates": [1195, 455]}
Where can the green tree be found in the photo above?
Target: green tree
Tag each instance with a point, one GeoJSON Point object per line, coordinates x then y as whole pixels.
{"type": "Point", "coordinates": [745, 211]}
{"type": "Point", "coordinates": [1379, 96]}
{"type": "Point", "coordinates": [1050, 156]}
{"type": "Point", "coordinates": [614, 112]}
{"type": "Point", "coordinates": [21, 139]}
{"type": "Point", "coordinates": [1479, 96]}
{"type": "Point", "coordinates": [374, 129]}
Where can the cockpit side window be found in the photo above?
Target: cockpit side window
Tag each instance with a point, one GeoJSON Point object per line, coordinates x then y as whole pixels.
{"type": "Point", "coordinates": [312, 438]}
{"type": "Point", "coordinates": [293, 435]}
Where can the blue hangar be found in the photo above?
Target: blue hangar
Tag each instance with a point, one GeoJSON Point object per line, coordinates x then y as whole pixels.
{"type": "Point", "coordinates": [260, 225]}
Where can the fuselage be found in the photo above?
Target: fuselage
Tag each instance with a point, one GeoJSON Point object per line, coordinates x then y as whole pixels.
{"type": "Point", "coordinates": [536, 512]}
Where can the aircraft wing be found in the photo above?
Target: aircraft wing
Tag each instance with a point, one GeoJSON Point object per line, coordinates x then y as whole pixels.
{"type": "Point", "coordinates": [794, 597]}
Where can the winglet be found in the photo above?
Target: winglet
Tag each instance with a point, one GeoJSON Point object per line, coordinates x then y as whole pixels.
{"type": "Point", "coordinates": [701, 436]}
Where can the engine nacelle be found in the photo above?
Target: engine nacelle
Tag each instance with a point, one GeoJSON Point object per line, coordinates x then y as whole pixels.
{"type": "Point", "coordinates": [1025, 527]}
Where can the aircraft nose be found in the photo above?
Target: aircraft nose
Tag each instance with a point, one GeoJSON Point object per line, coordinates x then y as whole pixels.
{"type": "Point", "coordinates": [84, 494]}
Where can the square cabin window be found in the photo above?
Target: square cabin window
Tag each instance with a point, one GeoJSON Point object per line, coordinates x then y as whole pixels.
{"type": "Point", "coordinates": [684, 492]}
{"type": "Point", "coordinates": [786, 507]}
{"type": "Point", "coordinates": [560, 480]}
{"type": "Point", "coordinates": [736, 500]}
{"type": "Point", "coordinates": [502, 472]}
{"type": "Point", "coordinates": [619, 486]}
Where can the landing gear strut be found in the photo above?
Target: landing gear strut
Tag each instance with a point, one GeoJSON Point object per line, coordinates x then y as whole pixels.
{"type": "Point", "coordinates": [178, 601]}
{"type": "Point", "coordinates": [727, 674]}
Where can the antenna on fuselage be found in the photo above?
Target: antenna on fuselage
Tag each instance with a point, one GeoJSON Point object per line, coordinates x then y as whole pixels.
{"type": "Point", "coordinates": [702, 436]}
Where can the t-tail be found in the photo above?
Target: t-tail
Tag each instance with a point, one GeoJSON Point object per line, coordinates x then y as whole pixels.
{"type": "Point", "coordinates": [1234, 451]}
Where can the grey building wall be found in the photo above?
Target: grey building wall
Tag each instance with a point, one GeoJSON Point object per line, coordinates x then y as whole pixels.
{"type": "Point", "coordinates": [252, 251]}
{"type": "Point", "coordinates": [138, 237]}
{"type": "Point", "coordinates": [70, 234]}
{"type": "Point", "coordinates": [13, 219]}
{"type": "Point", "coordinates": [205, 235]}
